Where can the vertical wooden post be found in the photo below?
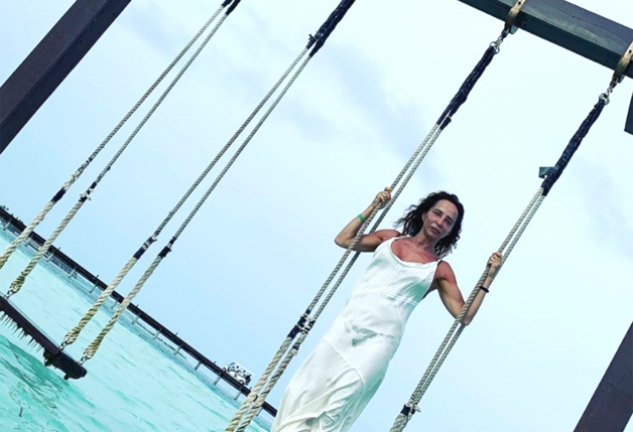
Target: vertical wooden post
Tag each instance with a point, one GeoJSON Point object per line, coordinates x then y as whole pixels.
{"type": "Point", "coordinates": [611, 406]}
{"type": "Point", "coordinates": [51, 61]}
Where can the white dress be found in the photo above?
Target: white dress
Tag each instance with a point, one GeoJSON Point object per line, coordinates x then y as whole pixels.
{"type": "Point", "coordinates": [335, 383]}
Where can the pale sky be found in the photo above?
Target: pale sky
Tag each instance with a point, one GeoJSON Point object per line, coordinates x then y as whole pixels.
{"type": "Point", "coordinates": [261, 247]}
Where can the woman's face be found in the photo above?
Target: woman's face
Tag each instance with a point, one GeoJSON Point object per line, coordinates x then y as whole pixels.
{"type": "Point", "coordinates": [440, 219]}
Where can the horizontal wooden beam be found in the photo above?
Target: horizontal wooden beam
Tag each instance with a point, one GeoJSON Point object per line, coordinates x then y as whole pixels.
{"type": "Point", "coordinates": [50, 62]}
{"type": "Point", "coordinates": [562, 23]}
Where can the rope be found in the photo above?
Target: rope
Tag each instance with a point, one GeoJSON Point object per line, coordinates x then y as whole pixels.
{"type": "Point", "coordinates": [508, 245]}
{"type": "Point", "coordinates": [17, 284]}
{"type": "Point", "coordinates": [457, 321]}
{"type": "Point", "coordinates": [305, 323]}
{"type": "Point", "coordinates": [257, 388]}
{"type": "Point", "coordinates": [71, 337]}
{"type": "Point", "coordinates": [455, 332]}
{"type": "Point", "coordinates": [25, 234]}
{"type": "Point", "coordinates": [19, 281]}
{"type": "Point", "coordinates": [92, 349]}
{"type": "Point", "coordinates": [261, 399]}
{"type": "Point", "coordinates": [96, 343]}
{"type": "Point", "coordinates": [326, 29]}
{"type": "Point", "coordinates": [248, 406]}
{"type": "Point", "coordinates": [73, 178]}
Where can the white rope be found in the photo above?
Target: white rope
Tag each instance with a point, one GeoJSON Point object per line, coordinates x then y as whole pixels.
{"type": "Point", "coordinates": [73, 178]}
{"type": "Point", "coordinates": [507, 247]}
{"type": "Point", "coordinates": [96, 343]}
{"type": "Point", "coordinates": [306, 321]}
{"type": "Point", "coordinates": [249, 408]}
{"type": "Point", "coordinates": [19, 281]}
{"type": "Point", "coordinates": [72, 336]}
{"type": "Point", "coordinates": [457, 327]}
{"type": "Point", "coordinates": [93, 347]}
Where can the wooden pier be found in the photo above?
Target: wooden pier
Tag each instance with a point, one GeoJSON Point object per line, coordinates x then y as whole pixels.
{"type": "Point", "coordinates": [10, 223]}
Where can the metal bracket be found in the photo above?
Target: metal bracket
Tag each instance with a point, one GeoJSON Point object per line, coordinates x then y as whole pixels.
{"type": "Point", "coordinates": [623, 65]}
{"type": "Point", "coordinates": [618, 76]}
{"type": "Point", "coordinates": [512, 16]}
{"type": "Point", "coordinates": [543, 172]}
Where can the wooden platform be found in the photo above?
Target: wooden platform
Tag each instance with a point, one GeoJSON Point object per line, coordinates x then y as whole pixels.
{"type": "Point", "coordinates": [52, 354]}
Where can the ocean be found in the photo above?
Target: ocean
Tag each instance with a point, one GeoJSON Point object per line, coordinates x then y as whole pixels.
{"type": "Point", "coordinates": [135, 383]}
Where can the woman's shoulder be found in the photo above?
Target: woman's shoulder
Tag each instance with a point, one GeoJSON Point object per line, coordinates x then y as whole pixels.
{"type": "Point", "coordinates": [444, 270]}
{"type": "Point", "coordinates": [387, 234]}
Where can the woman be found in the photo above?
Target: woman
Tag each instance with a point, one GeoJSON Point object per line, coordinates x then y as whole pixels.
{"type": "Point", "coordinates": [335, 383]}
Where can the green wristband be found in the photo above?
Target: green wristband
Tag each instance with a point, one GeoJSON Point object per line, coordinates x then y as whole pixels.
{"type": "Point", "coordinates": [362, 218]}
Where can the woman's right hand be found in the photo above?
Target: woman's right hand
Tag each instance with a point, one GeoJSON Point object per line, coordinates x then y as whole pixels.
{"type": "Point", "coordinates": [366, 242]}
{"type": "Point", "coordinates": [382, 198]}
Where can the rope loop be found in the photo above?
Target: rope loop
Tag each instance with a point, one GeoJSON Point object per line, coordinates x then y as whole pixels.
{"type": "Point", "coordinates": [307, 327]}
{"type": "Point", "coordinates": [510, 28]}
{"type": "Point", "coordinates": [622, 66]}
{"type": "Point", "coordinates": [409, 409]}
{"type": "Point", "coordinates": [497, 44]}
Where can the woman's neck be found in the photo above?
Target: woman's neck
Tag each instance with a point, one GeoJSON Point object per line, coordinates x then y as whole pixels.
{"type": "Point", "coordinates": [423, 242]}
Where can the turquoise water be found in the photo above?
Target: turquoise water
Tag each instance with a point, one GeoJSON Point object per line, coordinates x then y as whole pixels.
{"type": "Point", "coordinates": [134, 383]}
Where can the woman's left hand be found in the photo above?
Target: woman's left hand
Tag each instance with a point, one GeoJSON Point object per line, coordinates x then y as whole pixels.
{"type": "Point", "coordinates": [494, 263]}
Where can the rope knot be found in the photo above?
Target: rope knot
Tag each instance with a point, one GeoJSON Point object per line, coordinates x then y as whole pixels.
{"type": "Point", "coordinates": [409, 409]}
{"type": "Point", "coordinates": [308, 325]}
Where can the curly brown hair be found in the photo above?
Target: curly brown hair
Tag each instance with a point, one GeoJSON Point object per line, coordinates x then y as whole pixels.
{"type": "Point", "coordinates": [412, 220]}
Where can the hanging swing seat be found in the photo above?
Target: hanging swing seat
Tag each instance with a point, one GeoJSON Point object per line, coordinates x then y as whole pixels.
{"type": "Point", "coordinates": [52, 354]}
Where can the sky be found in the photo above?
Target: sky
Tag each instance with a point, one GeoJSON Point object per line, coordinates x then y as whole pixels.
{"type": "Point", "coordinates": [255, 255]}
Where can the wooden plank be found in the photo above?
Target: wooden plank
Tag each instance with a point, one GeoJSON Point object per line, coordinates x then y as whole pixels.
{"type": "Point", "coordinates": [54, 357]}
{"type": "Point", "coordinates": [569, 26]}
{"type": "Point", "coordinates": [51, 61]}
{"type": "Point", "coordinates": [611, 406]}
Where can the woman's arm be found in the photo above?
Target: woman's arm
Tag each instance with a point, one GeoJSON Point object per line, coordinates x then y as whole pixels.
{"type": "Point", "coordinates": [451, 295]}
{"type": "Point", "coordinates": [367, 242]}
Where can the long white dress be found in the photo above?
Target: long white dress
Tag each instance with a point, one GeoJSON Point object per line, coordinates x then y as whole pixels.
{"type": "Point", "coordinates": [335, 383]}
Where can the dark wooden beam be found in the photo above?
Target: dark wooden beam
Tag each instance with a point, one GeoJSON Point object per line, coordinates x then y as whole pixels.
{"type": "Point", "coordinates": [26, 90]}
{"type": "Point", "coordinates": [611, 406]}
{"type": "Point", "coordinates": [562, 23]}
{"type": "Point", "coordinates": [629, 119]}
